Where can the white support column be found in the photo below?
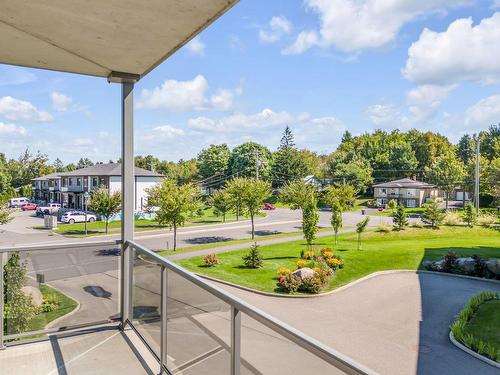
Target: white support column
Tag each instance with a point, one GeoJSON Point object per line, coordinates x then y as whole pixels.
{"type": "Point", "coordinates": [127, 191]}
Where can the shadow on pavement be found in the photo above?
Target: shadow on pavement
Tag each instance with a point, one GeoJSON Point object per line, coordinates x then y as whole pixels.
{"type": "Point", "coordinates": [208, 239]}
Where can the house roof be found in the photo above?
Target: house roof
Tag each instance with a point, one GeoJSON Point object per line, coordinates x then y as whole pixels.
{"type": "Point", "coordinates": [405, 183]}
{"type": "Point", "coordinates": [109, 169]}
{"type": "Point", "coordinates": [47, 176]}
{"type": "Point", "coordinates": [122, 40]}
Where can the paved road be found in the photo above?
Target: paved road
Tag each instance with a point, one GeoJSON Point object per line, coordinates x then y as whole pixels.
{"type": "Point", "coordinates": [394, 323]}
{"type": "Point", "coordinates": [20, 231]}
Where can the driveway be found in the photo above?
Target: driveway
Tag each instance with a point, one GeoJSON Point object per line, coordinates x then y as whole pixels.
{"type": "Point", "coordinates": [394, 323]}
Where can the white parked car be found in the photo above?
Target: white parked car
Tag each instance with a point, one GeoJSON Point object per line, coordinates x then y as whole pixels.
{"type": "Point", "coordinates": [49, 209]}
{"type": "Point", "coordinates": [72, 217]}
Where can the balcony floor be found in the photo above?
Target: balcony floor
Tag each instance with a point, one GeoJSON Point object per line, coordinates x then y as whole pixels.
{"type": "Point", "coordinates": [104, 351]}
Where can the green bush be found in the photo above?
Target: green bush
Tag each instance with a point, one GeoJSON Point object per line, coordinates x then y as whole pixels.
{"type": "Point", "coordinates": [384, 228]}
{"type": "Point", "coordinates": [253, 259]}
{"type": "Point", "coordinates": [50, 303]}
{"type": "Point", "coordinates": [312, 285]}
{"type": "Point", "coordinates": [289, 283]}
{"type": "Point", "coordinates": [452, 218]}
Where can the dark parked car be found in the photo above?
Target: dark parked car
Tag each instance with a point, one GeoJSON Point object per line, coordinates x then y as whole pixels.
{"type": "Point", "coordinates": [269, 206]}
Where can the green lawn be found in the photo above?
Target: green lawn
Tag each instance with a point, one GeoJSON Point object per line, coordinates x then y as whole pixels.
{"type": "Point", "coordinates": [408, 211]}
{"type": "Point", "coordinates": [189, 249]}
{"type": "Point", "coordinates": [98, 227]}
{"type": "Point", "coordinates": [380, 251]}
{"type": "Point", "coordinates": [40, 321]}
{"type": "Point", "coordinates": [485, 324]}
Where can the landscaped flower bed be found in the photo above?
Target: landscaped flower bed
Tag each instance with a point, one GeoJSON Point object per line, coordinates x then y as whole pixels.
{"type": "Point", "coordinates": [477, 326]}
{"type": "Point", "coordinates": [474, 265]}
{"type": "Point", "coordinates": [313, 273]}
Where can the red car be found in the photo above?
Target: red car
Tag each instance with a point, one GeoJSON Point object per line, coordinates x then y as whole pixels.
{"type": "Point", "coordinates": [29, 207]}
{"type": "Point", "coordinates": [269, 206]}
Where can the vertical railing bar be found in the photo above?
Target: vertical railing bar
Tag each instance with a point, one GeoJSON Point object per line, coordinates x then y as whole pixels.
{"type": "Point", "coordinates": [3, 257]}
{"type": "Point", "coordinates": [235, 341]}
{"type": "Point", "coordinates": [163, 315]}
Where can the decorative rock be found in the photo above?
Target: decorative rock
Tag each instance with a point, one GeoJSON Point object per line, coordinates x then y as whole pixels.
{"type": "Point", "coordinates": [303, 273]}
{"type": "Point", "coordinates": [428, 264]}
{"type": "Point", "coordinates": [493, 266]}
{"type": "Point", "coordinates": [466, 265]}
{"type": "Point", "coordinates": [35, 294]}
{"type": "Point", "coordinates": [438, 265]}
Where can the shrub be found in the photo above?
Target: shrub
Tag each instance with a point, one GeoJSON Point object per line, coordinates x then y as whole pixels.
{"type": "Point", "coordinates": [301, 263]}
{"type": "Point", "coordinates": [253, 259]}
{"type": "Point", "coordinates": [309, 255]}
{"type": "Point", "coordinates": [326, 252]}
{"type": "Point", "coordinates": [469, 214]}
{"type": "Point", "coordinates": [384, 228]}
{"type": "Point", "coordinates": [49, 303]}
{"type": "Point", "coordinates": [486, 220]}
{"type": "Point", "coordinates": [452, 218]}
{"type": "Point", "coordinates": [399, 218]}
{"type": "Point", "coordinates": [283, 271]}
{"type": "Point", "coordinates": [480, 269]}
{"type": "Point", "coordinates": [323, 274]}
{"type": "Point", "coordinates": [335, 263]}
{"type": "Point", "coordinates": [312, 285]}
{"type": "Point", "coordinates": [450, 262]}
{"type": "Point", "coordinates": [210, 260]}
{"type": "Point", "coordinates": [289, 283]}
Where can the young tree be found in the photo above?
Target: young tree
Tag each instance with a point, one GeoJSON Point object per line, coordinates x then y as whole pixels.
{"type": "Point", "coordinates": [254, 258]}
{"type": "Point", "coordinates": [249, 157]}
{"type": "Point", "coordinates": [340, 198]}
{"type": "Point", "coordinates": [18, 310]}
{"type": "Point", "coordinates": [310, 220]}
{"type": "Point", "coordinates": [254, 194]}
{"type": "Point", "coordinates": [360, 228]}
{"type": "Point", "coordinates": [469, 214]}
{"type": "Point", "coordinates": [446, 172]}
{"type": "Point", "coordinates": [105, 204]}
{"type": "Point", "coordinates": [236, 189]}
{"type": "Point", "coordinates": [174, 203]}
{"type": "Point", "coordinates": [433, 215]}
{"type": "Point", "coordinates": [336, 219]}
{"type": "Point", "coordinates": [392, 205]}
{"type": "Point", "coordinates": [399, 218]}
{"type": "Point", "coordinates": [222, 203]}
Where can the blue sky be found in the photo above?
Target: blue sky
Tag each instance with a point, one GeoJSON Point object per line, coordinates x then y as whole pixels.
{"type": "Point", "coordinates": [320, 66]}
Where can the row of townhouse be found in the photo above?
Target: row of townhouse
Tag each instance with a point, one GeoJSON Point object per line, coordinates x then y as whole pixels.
{"type": "Point", "coordinates": [69, 188]}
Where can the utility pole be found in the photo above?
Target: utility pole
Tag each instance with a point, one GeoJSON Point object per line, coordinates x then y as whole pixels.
{"type": "Point", "coordinates": [476, 182]}
{"type": "Point", "coordinates": [257, 164]}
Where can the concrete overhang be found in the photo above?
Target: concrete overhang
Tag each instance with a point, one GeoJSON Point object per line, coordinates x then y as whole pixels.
{"type": "Point", "coordinates": [121, 40]}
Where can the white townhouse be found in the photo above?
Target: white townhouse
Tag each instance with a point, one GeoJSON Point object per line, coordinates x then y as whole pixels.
{"type": "Point", "coordinates": [68, 188]}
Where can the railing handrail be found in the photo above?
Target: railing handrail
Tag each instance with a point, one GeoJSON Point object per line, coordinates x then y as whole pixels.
{"type": "Point", "coordinates": [55, 245]}
{"type": "Point", "coordinates": [335, 358]}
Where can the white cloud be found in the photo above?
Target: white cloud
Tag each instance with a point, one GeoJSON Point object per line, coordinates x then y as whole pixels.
{"type": "Point", "coordinates": [188, 95]}
{"type": "Point", "coordinates": [278, 26]}
{"type": "Point", "coordinates": [355, 25]}
{"type": "Point", "coordinates": [462, 52]}
{"type": "Point", "coordinates": [495, 4]}
{"type": "Point", "coordinates": [384, 115]}
{"type": "Point", "coordinates": [20, 110]}
{"type": "Point", "coordinates": [196, 46]}
{"type": "Point", "coordinates": [60, 101]}
{"type": "Point", "coordinates": [424, 101]}
{"type": "Point", "coordinates": [176, 95]}
{"type": "Point", "coordinates": [482, 114]}
{"type": "Point", "coordinates": [168, 131]}
{"type": "Point", "coordinates": [8, 129]}
{"type": "Point", "coordinates": [83, 141]}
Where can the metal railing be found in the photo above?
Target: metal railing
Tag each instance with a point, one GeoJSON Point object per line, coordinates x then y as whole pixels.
{"type": "Point", "coordinates": [27, 251]}
{"type": "Point", "coordinates": [237, 307]}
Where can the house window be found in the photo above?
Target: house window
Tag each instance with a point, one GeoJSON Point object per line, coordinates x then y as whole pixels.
{"type": "Point", "coordinates": [383, 191]}
{"type": "Point", "coordinates": [78, 182]}
{"type": "Point", "coordinates": [70, 182]}
{"type": "Point", "coordinates": [94, 181]}
{"type": "Point", "coordinates": [65, 182]}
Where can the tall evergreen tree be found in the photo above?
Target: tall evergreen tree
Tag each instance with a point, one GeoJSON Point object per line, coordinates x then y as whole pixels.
{"type": "Point", "coordinates": [288, 162]}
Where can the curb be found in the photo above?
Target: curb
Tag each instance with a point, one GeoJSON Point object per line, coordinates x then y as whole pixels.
{"type": "Point", "coordinates": [472, 353]}
{"type": "Point", "coordinates": [339, 289]}
{"type": "Point", "coordinates": [72, 312]}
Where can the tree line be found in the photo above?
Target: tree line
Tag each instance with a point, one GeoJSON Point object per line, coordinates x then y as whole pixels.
{"type": "Point", "coordinates": [358, 161]}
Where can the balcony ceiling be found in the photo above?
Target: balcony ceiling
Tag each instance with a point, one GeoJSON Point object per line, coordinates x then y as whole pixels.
{"type": "Point", "coordinates": [99, 37]}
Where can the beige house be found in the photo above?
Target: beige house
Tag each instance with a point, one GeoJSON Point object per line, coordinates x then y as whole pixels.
{"type": "Point", "coordinates": [406, 191]}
